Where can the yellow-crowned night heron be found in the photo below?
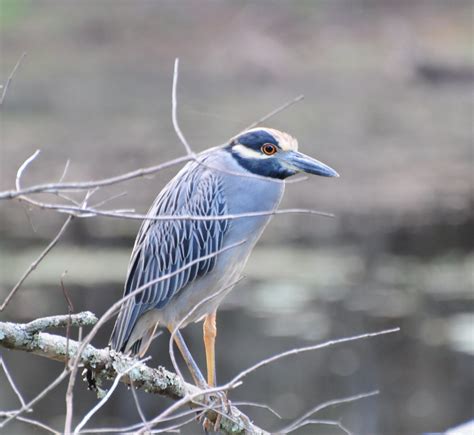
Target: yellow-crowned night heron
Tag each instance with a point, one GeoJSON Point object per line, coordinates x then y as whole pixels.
{"type": "Point", "coordinates": [246, 176]}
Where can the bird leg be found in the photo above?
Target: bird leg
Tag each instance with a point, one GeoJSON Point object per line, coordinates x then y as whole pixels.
{"type": "Point", "coordinates": [188, 359]}
{"type": "Point", "coordinates": [197, 376]}
{"type": "Point", "coordinates": [209, 329]}
{"type": "Point", "coordinates": [209, 333]}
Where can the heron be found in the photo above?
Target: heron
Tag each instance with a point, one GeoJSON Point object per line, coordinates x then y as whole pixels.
{"type": "Point", "coordinates": [201, 230]}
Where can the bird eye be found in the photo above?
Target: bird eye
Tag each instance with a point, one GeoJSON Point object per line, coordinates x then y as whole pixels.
{"type": "Point", "coordinates": [269, 149]}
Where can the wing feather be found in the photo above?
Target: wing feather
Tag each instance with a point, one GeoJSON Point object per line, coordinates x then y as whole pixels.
{"type": "Point", "coordinates": [162, 247]}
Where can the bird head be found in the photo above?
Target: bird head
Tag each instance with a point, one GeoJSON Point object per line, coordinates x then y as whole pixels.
{"type": "Point", "coordinates": [272, 153]}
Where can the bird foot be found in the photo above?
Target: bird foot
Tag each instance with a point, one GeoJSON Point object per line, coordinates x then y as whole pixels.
{"type": "Point", "coordinates": [217, 404]}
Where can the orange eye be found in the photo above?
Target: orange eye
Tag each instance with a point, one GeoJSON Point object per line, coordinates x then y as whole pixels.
{"type": "Point", "coordinates": [269, 149]}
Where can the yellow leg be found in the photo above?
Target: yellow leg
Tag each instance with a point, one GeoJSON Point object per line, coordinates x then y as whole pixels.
{"type": "Point", "coordinates": [209, 333]}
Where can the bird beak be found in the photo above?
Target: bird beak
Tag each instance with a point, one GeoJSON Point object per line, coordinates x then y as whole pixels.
{"type": "Point", "coordinates": [303, 163]}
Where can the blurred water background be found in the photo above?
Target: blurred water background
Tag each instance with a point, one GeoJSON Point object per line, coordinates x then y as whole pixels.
{"type": "Point", "coordinates": [388, 91]}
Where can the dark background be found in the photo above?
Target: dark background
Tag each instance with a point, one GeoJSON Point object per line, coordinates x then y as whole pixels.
{"type": "Point", "coordinates": [388, 104]}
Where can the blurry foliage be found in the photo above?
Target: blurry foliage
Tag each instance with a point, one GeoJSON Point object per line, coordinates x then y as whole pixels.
{"type": "Point", "coordinates": [11, 11]}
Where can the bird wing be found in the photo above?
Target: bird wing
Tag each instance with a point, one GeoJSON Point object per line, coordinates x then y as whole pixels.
{"type": "Point", "coordinates": [164, 246]}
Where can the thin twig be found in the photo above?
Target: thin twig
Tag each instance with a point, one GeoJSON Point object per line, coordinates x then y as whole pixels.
{"type": "Point", "coordinates": [138, 426]}
{"type": "Point", "coordinates": [297, 423]}
{"type": "Point", "coordinates": [137, 404]}
{"type": "Point", "coordinates": [274, 112]}
{"type": "Point", "coordinates": [23, 166]}
{"type": "Point", "coordinates": [10, 78]}
{"type": "Point", "coordinates": [110, 198]}
{"type": "Point", "coordinates": [36, 262]}
{"type": "Point", "coordinates": [85, 185]}
{"type": "Point", "coordinates": [174, 428]}
{"type": "Point", "coordinates": [66, 167]}
{"type": "Point", "coordinates": [142, 172]}
{"type": "Point", "coordinates": [40, 396]}
{"type": "Point", "coordinates": [104, 399]}
{"type": "Point", "coordinates": [298, 350]}
{"type": "Point", "coordinates": [38, 424]}
{"type": "Point", "coordinates": [193, 411]}
{"type": "Point", "coordinates": [174, 114]}
{"type": "Point", "coordinates": [70, 309]}
{"type": "Point", "coordinates": [12, 384]}
{"type": "Point", "coordinates": [259, 405]}
{"type": "Point", "coordinates": [85, 212]}
{"type": "Point", "coordinates": [338, 424]}
{"type": "Point", "coordinates": [188, 398]}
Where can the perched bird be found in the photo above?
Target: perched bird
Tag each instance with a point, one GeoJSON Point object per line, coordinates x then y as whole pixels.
{"type": "Point", "coordinates": [185, 260]}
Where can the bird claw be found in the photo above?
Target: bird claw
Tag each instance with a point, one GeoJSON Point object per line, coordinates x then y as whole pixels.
{"type": "Point", "coordinates": [220, 404]}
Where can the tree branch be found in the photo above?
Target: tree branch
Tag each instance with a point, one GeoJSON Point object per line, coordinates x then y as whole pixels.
{"type": "Point", "coordinates": [86, 318]}
{"type": "Point", "coordinates": [108, 364]}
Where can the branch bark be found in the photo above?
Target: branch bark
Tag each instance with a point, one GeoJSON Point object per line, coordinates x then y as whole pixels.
{"type": "Point", "coordinates": [108, 364]}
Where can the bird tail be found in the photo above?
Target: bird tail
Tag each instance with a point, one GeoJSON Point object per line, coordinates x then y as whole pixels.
{"type": "Point", "coordinates": [137, 343]}
{"type": "Point", "coordinates": [140, 346]}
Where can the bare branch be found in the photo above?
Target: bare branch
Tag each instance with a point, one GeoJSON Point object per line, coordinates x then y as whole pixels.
{"type": "Point", "coordinates": [174, 111]}
{"type": "Point", "coordinates": [274, 112]}
{"type": "Point", "coordinates": [12, 383]}
{"type": "Point", "coordinates": [237, 380]}
{"type": "Point", "coordinates": [10, 78]}
{"type": "Point", "coordinates": [38, 424]}
{"type": "Point", "coordinates": [104, 362]}
{"type": "Point", "coordinates": [338, 424]}
{"type": "Point", "coordinates": [137, 404]}
{"type": "Point", "coordinates": [70, 309]}
{"type": "Point", "coordinates": [109, 364]}
{"type": "Point", "coordinates": [23, 167]}
{"type": "Point", "coordinates": [301, 420]}
{"type": "Point", "coordinates": [111, 198]}
{"type": "Point", "coordinates": [40, 396]}
{"type": "Point", "coordinates": [66, 167]}
{"type": "Point", "coordinates": [85, 212]}
{"type": "Point", "coordinates": [35, 263]}
{"type": "Point", "coordinates": [298, 350]}
{"type": "Point", "coordinates": [85, 185]}
{"type": "Point", "coordinates": [192, 411]}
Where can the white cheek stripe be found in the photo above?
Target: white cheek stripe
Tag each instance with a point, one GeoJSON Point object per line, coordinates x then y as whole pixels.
{"type": "Point", "coordinates": [248, 153]}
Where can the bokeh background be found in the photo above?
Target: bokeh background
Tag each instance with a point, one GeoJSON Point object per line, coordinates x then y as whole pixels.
{"type": "Point", "coordinates": [388, 102]}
